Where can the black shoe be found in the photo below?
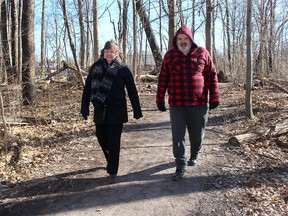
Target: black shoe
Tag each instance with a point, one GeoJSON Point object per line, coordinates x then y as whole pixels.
{"type": "Point", "coordinates": [112, 179]}
{"type": "Point", "coordinates": [179, 174]}
{"type": "Point", "coordinates": [192, 162]}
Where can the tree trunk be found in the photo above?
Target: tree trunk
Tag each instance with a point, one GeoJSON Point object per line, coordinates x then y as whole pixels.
{"type": "Point", "coordinates": [228, 37]}
{"type": "Point", "coordinates": [88, 35]}
{"type": "Point", "coordinates": [20, 58]}
{"type": "Point", "coordinates": [14, 44]}
{"type": "Point", "coordinates": [248, 99]}
{"type": "Point", "coordinates": [71, 42]}
{"type": "Point", "coordinates": [43, 67]}
{"type": "Point", "coordinates": [193, 18]}
{"type": "Point", "coordinates": [95, 30]}
{"type": "Point", "coordinates": [28, 62]}
{"type": "Point", "coordinates": [82, 34]}
{"type": "Point", "coordinates": [149, 34]}
{"type": "Point", "coordinates": [208, 26]}
{"type": "Point", "coordinates": [135, 36]}
{"type": "Point", "coordinates": [5, 43]}
{"type": "Point", "coordinates": [180, 12]}
{"type": "Point", "coordinates": [160, 29]}
{"type": "Point", "coordinates": [271, 38]}
{"type": "Point", "coordinates": [172, 21]}
{"type": "Point", "coordinates": [125, 30]}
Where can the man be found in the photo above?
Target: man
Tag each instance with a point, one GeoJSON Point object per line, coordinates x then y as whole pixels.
{"type": "Point", "coordinates": [190, 78]}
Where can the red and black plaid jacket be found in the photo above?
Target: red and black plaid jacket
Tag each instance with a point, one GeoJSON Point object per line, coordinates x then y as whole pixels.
{"type": "Point", "coordinates": [191, 79]}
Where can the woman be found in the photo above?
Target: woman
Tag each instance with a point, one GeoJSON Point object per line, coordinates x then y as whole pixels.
{"type": "Point", "coordinates": [105, 88]}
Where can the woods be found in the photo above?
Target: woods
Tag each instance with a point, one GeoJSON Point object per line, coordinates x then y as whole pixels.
{"type": "Point", "coordinates": [217, 25]}
{"type": "Point", "coordinates": [47, 48]}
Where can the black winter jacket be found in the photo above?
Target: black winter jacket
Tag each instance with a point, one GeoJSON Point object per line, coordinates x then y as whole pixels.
{"type": "Point", "coordinates": [114, 109]}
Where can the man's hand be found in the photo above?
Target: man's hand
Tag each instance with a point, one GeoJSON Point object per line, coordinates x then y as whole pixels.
{"type": "Point", "coordinates": [213, 105]}
{"type": "Point", "coordinates": [161, 107]}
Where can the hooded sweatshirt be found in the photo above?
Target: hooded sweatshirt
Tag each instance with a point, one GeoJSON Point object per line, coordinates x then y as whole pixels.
{"type": "Point", "coordinates": [189, 79]}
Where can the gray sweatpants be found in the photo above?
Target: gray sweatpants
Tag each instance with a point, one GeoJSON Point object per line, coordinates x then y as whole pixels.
{"type": "Point", "coordinates": [194, 118]}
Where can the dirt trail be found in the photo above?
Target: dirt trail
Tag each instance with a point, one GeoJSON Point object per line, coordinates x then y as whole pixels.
{"type": "Point", "coordinates": [145, 186]}
{"type": "Point", "coordinates": [61, 169]}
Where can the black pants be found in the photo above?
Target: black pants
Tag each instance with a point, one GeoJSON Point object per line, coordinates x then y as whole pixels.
{"type": "Point", "coordinates": [109, 138]}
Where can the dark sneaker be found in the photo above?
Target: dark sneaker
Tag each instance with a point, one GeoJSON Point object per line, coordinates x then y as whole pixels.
{"type": "Point", "coordinates": [192, 162]}
{"type": "Point", "coordinates": [112, 179]}
{"type": "Point", "coordinates": [179, 174]}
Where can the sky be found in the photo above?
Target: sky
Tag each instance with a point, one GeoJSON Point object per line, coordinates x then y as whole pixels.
{"type": "Point", "coordinates": [105, 28]}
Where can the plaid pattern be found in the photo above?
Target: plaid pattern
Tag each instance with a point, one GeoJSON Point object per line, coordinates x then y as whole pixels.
{"type": "Point", "coordinates": [188, 79]}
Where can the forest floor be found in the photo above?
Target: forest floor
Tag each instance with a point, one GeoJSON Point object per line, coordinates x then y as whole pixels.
{"type": "Point", "coordinates": [53, 165]}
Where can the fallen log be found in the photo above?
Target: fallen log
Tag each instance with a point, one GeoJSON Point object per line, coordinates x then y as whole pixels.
{"type": "Point", "coordinates": [276, 130]}
{"type": "Point", "coordinates": [65, 66]}
{"type": "Point", "coordinates": [148, 78]}
{"type": "Point", "coordinates": [277, 85]}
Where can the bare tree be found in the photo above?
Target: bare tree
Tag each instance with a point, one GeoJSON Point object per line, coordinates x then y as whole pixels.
{"type": "Point", "coordinates": [234, 26]}
{"type": "Point", "coordinates": [180, 11]}
{"type": "Point", "coordinates": [193, 18]}
{"type": "Point", "coordinates": [63, 4]}
{"type": "Point", "coordinates": [208, 26]}
{"type": "Point", "coordinates": [5, 43]}
{"type": "Point", "coordinates": [262, 24]}
{"type": "Point", "coordinates": [28, 62]}
{"type": "Point", "coordinates": [228, 37]}
{"type": "Point", "coordinates": [20, 7]}
{"type": "Point", "coordinates": [125, 27]}
{"type": "Point", "coordinates": [135, 21]}
{"type": "Point", "coordinates": [248, 102]}
{"type": "Point", "coordinates": [272, 37]}
{"type": "Point", "coordinates": [58, 39]}
{"type": "Point", "coordinates": [88, 34]}
{"type": "Point", "coordinates": [82, 34]}
{"type": "Point", "coordinates": [172, 20]}
{"type": "Point", "coordinates": [95, 30]}
{"type": "Point", "coordinates": [43, 53]}
{"type": "Point", "coordinates": [149, 34]}
{"type": "Point", "coordinates": [14, 44]}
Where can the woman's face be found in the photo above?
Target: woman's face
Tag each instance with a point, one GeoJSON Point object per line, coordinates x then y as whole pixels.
{"type": "Point", "coordinates": [111, 53]}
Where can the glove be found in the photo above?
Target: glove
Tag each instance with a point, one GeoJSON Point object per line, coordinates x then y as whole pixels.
{"type": "Point", "coordinates": [161, 107]}
{"type": "Point", "coordinates": [213, 105]}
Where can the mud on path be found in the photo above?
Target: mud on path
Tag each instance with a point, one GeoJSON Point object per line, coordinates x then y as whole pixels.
{"type": "Point", "coordinates": [74, 181]}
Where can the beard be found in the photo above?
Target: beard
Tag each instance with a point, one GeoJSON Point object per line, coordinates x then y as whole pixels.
{"type": "Point", "coordinates": [184, 47]}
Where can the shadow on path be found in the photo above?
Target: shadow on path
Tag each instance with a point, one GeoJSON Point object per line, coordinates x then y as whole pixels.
{"type": "Point", "coordinates": [64, 193]}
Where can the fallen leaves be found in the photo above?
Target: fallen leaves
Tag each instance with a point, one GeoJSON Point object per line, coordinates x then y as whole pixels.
{"type": "Point", "coordinates": [256, 180]}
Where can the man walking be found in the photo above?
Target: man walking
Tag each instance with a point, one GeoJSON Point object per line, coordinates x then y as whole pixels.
{"type": "Point", "coordinates": [189, 76]}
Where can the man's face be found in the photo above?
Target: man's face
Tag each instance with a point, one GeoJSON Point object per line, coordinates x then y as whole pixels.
{"type": "Point", "coordinates": [184, 43]}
